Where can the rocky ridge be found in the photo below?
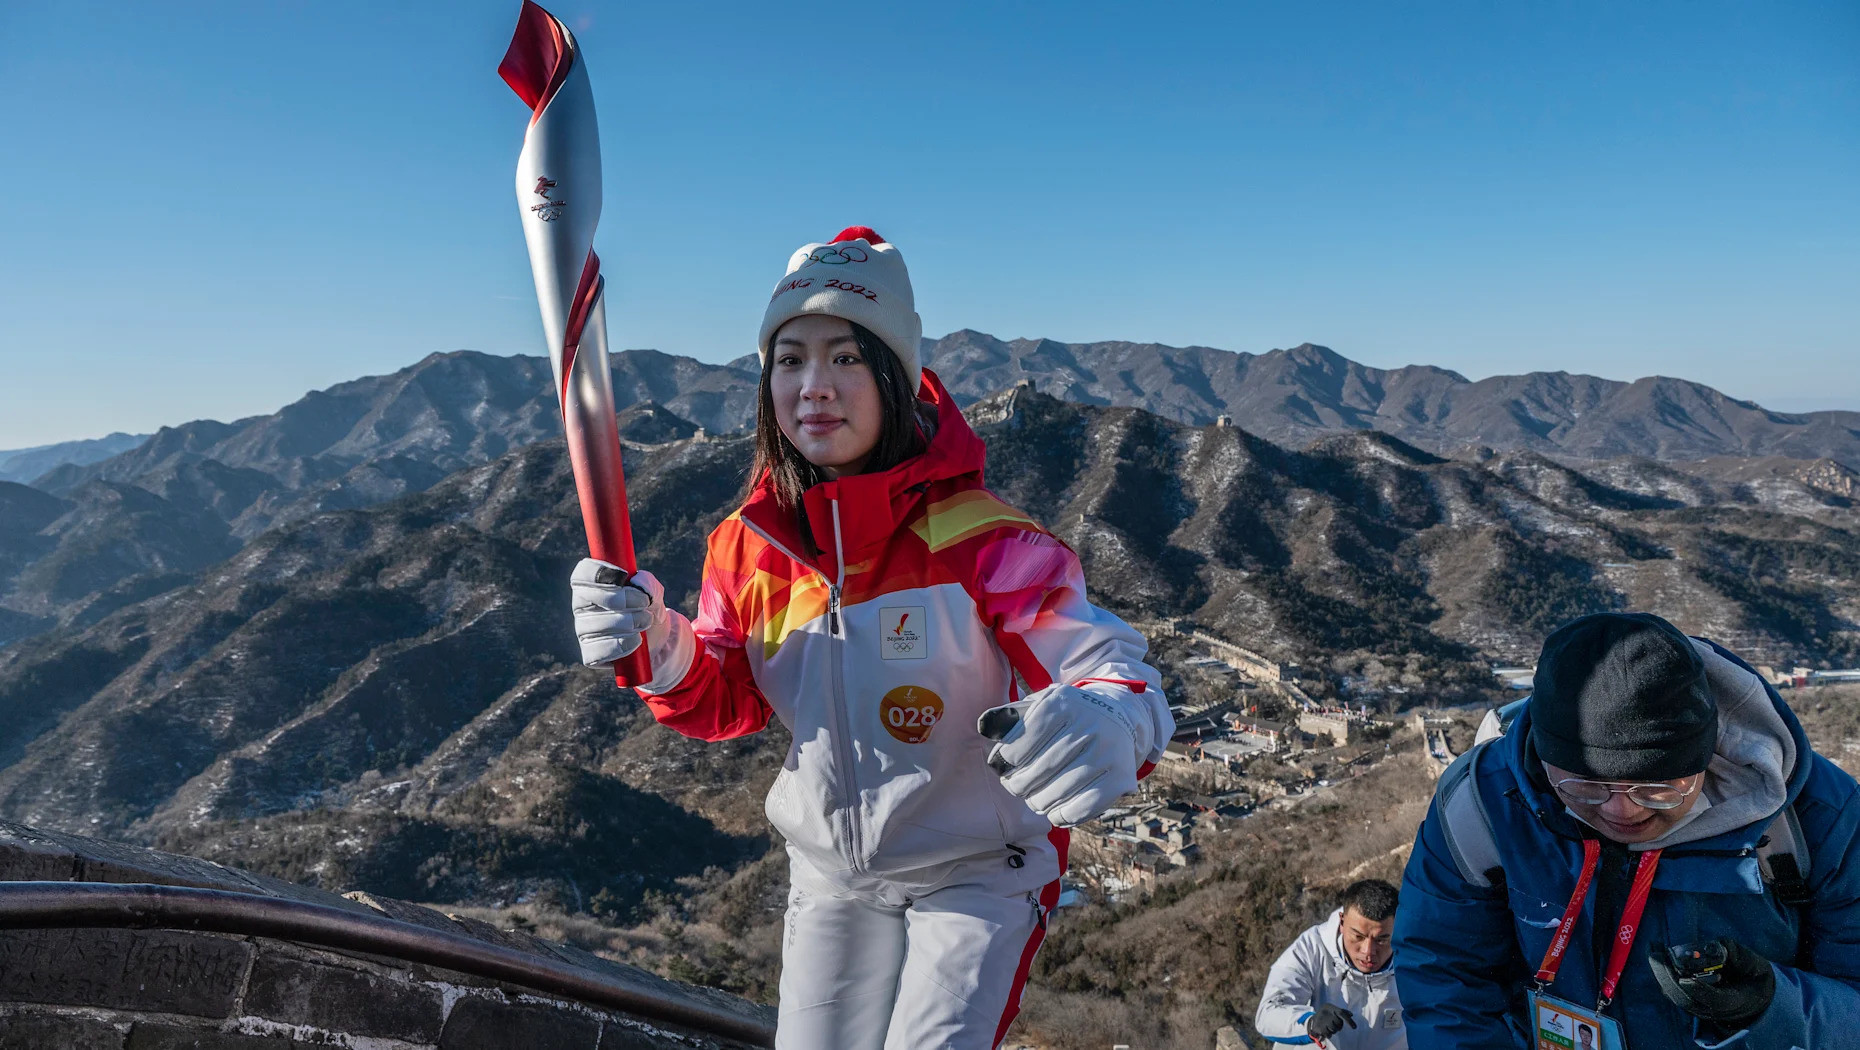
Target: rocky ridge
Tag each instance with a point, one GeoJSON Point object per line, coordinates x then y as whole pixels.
{"type": "Point", "coordinates": [1296, 394]}
{"type": "Point", "coordinates": [361, 443]}
{"type": "Point", "coordinates": [387, 697]}
{"type": "Point", "coordinates": [391, 693]}
{"type": "Point", "coordinates": [24, 464]}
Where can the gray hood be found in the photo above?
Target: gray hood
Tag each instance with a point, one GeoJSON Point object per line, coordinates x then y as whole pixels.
{"type": "Point", "coordinates": [1748, 779]}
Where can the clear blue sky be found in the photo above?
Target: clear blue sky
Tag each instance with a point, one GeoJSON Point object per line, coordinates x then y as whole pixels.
{"type": "Point", "coordinates": [213, 208]}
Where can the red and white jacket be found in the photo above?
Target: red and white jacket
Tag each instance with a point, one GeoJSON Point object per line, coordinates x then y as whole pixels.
{"type": "Point", "coordinates": [879, 654]}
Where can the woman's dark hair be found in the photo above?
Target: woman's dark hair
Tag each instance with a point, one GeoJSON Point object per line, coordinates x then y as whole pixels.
{"type": "Point", "coordinates": [790, 474]}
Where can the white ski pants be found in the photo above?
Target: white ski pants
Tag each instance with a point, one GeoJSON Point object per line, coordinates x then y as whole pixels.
{"type": "Point", "coordinates": [945, 971]}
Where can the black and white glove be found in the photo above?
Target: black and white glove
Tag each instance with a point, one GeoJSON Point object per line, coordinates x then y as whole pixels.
{"type": "Point", "coordinates": [1068, 752]}
{"type": "Point", "coordinates": [614, 611]}
{"type": "Point", "coordinates": [1328, 1020]}
{"type": "Point", "coordinates": [1720, 982]}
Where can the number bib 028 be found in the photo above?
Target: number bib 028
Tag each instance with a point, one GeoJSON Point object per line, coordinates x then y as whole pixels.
{"type": "Point", "coordinates": [909, 712]}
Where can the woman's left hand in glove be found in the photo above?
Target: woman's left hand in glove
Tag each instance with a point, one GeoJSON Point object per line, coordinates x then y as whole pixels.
{"type": "Point", "coordinates": [1730, 995]}
{"type": "Point", "coordinates": [1069, 752]}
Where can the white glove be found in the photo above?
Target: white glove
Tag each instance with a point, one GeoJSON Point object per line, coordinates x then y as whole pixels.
{"type": "Point", "coordinates": [612, 611]}
{"type": "Point", "coordinates": [1068, 752]}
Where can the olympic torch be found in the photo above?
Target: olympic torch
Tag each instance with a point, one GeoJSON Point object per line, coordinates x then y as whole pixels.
{"type": "Point", "coordinates": [559, 199]}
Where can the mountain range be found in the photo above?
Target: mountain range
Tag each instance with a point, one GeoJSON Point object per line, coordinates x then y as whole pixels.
{"type": "Point", "coordinates": [332, 644]}
{"type": "Point", "coordinates": [24, 464]}
{"type": "Point", "coordinates": [389, 696]}
{"type": "Point", "coordinates": [458, 407]}
{"type": "Point", "coordinates": [138, 522]}
{"type": "Point", "coordinates": [1294, 395]}
{"type": "Point", "coordinates": [449, 410]}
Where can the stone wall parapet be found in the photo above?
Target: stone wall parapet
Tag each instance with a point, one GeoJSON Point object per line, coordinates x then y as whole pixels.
{"type": "Point", "coordinates": [150, 989]}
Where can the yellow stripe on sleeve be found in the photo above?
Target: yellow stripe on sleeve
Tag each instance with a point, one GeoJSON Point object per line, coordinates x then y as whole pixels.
{"type": "Point", "coordinates": [963, 515]}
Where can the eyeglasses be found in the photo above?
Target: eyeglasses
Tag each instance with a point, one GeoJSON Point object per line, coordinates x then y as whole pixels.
{"type": "Point", "coordinates": [1650, 796]}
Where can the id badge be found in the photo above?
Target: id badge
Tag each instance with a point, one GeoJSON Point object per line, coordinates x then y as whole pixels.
{"type": "Point", "coordinates": [1560, 1025]}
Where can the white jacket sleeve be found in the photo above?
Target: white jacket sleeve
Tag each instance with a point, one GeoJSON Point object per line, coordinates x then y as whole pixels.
{"type": "Point", "coordinates": [1291, 992]}
{"type": "Point", "coordinates": [1031, 592]}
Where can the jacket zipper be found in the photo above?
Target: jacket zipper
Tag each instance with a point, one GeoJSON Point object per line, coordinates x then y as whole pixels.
{"type": "Point", "coordinates": [848, 786]}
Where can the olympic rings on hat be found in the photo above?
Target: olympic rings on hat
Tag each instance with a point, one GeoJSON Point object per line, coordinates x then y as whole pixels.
{"type": "Point", "coordinates": [836, 255]}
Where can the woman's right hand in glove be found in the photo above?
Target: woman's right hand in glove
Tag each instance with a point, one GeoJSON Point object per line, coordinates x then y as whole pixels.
{"type": "Point", "coordinates": [1068, 752]}
{"type": "Point", "coordinates": [614, 610]}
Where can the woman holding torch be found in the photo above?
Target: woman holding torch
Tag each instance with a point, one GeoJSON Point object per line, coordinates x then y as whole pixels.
{"type": "Point", "coordinates": [875, 597]}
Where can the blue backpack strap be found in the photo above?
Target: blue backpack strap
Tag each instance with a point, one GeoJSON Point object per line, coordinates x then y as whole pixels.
{"type": "Point", "coordinates": [1464, 822]}
{"type": "Point", "coordinates": [1782, 856]}
{"type": "Point", "coordinates": [1782, 853]}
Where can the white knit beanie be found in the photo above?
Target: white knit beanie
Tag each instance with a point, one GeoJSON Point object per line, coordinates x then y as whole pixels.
{"type": "Point", "coordinates": [857, 277]}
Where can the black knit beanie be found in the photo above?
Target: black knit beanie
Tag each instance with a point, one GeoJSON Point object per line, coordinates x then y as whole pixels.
{"type": "Point", "coordinates": [1623, 696]}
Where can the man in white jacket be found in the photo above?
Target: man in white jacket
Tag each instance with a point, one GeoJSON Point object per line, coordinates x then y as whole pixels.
{"type": "Point", "coordinates": [1334, 986]}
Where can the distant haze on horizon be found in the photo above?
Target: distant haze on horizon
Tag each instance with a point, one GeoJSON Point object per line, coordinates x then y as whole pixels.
{"type": "Point", "coordinates": [227, 209]}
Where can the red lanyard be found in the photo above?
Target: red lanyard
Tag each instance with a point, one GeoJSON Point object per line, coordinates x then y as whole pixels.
{"type": "Point", "coordinates": [1624, 936]}
{"type": "Point", "coordinates": [1630, 922]}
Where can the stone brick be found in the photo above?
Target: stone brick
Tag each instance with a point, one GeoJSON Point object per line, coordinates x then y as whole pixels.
{"type": "Point", "coordinates": [20, 1031]}
{"type": "Point", "coordinates": [486, 1024]}
{"type": "Point", "coordinates": [342, 1000]}
{"type": "Point", "coordinates": [147, 1036]}
{"type": "Point", "coordinates": [149, 970]}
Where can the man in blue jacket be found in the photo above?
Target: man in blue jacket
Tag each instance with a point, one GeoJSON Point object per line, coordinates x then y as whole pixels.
{"type": "Point", "coordinates": [1652, 850]}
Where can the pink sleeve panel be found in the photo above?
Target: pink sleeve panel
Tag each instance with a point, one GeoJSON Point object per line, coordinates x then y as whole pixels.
{"type": "Point", "coordinates": [1031, 592]}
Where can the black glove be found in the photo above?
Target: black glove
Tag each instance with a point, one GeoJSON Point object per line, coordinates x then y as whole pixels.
{"type": "Point", "coordinates": [1721, 981]}
{"type": "Point", "coordinates": [1328, 1020]}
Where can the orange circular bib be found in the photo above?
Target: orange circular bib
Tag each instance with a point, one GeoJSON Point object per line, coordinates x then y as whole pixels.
{"type": "Point", "coordinates": [909, 712]}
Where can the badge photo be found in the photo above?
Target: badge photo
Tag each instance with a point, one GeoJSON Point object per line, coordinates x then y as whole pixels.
{"type": "Point", "coordinates": [1561, 1025]}
{"type": "Point", "coordinates": [903, 633]}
